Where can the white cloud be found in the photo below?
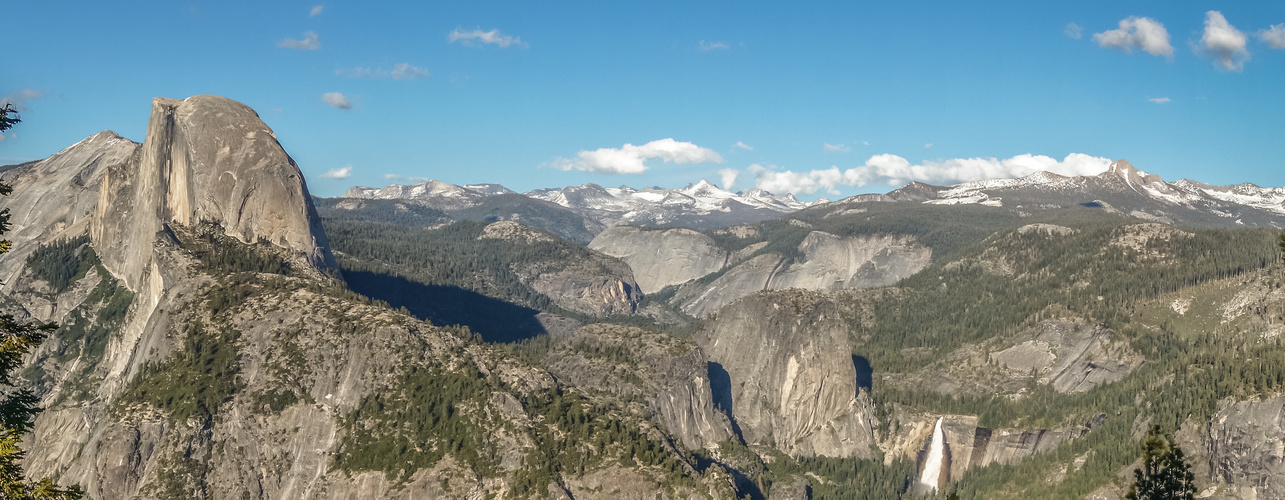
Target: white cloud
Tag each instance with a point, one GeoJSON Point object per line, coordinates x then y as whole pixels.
{"type": "Point", "coordinates": [708, 46]}
{"type": "Point", "coordinates": [743, 145]}
{"type": "Point", "coordinates": [631, 159]}
{"type": "Point", "coordinates": [1073, 30]}
{"type": "Point", "coordinates": [894, 170]}
{"type": "Point", "coordinates": [865, 143]}
{"type": "Point", "coordinates": [1141, 33]}
{"type": "Point", "coordinates": [477, 37]}
{"type": "Point", "coordinates": [836, 148]}
{"type": "Point", "coordinates": [338, 173]}
{"type": "Point", "coordinates": [1159, 100]}
{"type": "Point", "coordinates": [727, 177]}
{"type": "Point", "coordinates": [19, 99]}
{"type": "Point", "coordinates": [1273, 37]}
{"type": "Point", "coordinates": [927, 146]}
{"type": "Point", "coordinates": [336, 100]}
{"type": "Point", "coordinates": [403, 72]}
{"type": "Point", "coordinates": [1223, 42]}
{"type": "Point", "coordinates": [2, 137]}
{"type": "Point", "coordinates": [316, 11]}
{"type": "Point", "coordinates": [309, 42]}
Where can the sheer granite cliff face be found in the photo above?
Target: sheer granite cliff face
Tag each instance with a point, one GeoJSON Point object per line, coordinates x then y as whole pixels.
{"type": "Point", "coordinates": [1240, 452]}
{"type": "Point", "coordinates": [790, 375]}
{"type": "Point", "coordinates": [670, 375]}
{"type": "Point", "coordinates": [55, 197]}
{"type": "Point", "coordinates": [825, 262]}
{"type": "Point", "coordinates": [205, 158]}
{"type": "Point", "coordinates": [664, 257]}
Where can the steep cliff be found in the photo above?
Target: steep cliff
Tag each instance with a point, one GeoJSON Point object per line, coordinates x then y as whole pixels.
{"type": "Point", "coordinates": [790, 375]}
{"type": "Point", "coordinates": [669, 375]}
{"type": "Point", "coordinates": [661, 257]}
{"type": "Point", "coordinates": [55, 197]}
{"type": "Point", "coordinates": [205, 158]}
{"type": "Point", "coordinates": [594, 284]}
{"type": "Point", "coordinates": [825, 262]}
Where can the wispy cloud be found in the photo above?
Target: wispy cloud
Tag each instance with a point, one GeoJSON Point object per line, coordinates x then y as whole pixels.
{"type": "Point", "coordinates": [338, 173]}
{"type": "Point", "coordinates": [743, 145]}
{"type": "Point", "coordinates": [727, 177]}
{"type": "Point", "coordinates": [1073, 30]}
{"type": "Point", "coordinates": [1223, 43]}
{"type": "Point", "coordinates": [403, 72]}
{"type": "Point", "coordinates": [478, 37]}
{"type": "Point", "coordinates": [309, 42]}
{"type": "Point", "coordinates": [1274, 37]}
{"type": "Point", "coordinates": [316, 11]}
{"type": "Point", "coordinates": [928, 146]}
{"type": "Point", "coordinates": [1142, 33]}
{"type": "Point", "coordinates": [336, 100]}
{"type": "Point", "coordinates": [631, 159]}
{"type": "Point", "coordinates": [708, 46]}
{"type": "Point", "coordinates": [894, 170]}
{"type": "Point", "coordinates": [1159, 100]}
{"type": "Point", "coordinates": [836, 148]}
{"type": "Point", "coordinates": [19, 99]}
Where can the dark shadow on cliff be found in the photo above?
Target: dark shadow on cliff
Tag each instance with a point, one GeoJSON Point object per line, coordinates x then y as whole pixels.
{"type": "Point", "coordinates": [865, 374]}
{"type": "Point", "coordinates": [720, 383]}
{"type": "Point", "coordinates": [495, 320]}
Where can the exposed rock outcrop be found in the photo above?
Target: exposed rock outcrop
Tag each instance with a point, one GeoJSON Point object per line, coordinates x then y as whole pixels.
{"type": "Point", "coordinates": [594, 284]}
{"type": "Point", "coordinates": [1242, 448]}
{"type": "Point", "coordinates": [669, 374]}
{"type": "Point", "coordinates": [1072, 356]}
{"type": "Point", "coordinates": [661, 257]}
{"type": "Point", "coordinates": [55, 197]}
{"type": "Point", "coordinates": [827, 263]}
{"type": "Point", "coordinates": [792, 381]}
{"type": "Point", "coordinates": [205, 158]}
{"type": "Point", "coordinates": [972, 446]}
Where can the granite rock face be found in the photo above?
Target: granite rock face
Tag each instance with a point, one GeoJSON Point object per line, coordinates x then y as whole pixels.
{"type": "Point", "coordinates": [790, 375]}
{"type": "Point", "coordinates": [825, 262]}
{"type": "Point", "coordinates": [205, 158]}
{"type": "Point", "coordinates": [669, 374]}
{"type": "Point", "coordinates": [1243, 447]}
{"type": "Point", "coordinates": [661, 257]}
{"type": "Point", "coordinates": [55, 197]}
{"type": "Point", "coordinates": [972, 446]}
{"type": "Point", "coordinates": [597, 285]}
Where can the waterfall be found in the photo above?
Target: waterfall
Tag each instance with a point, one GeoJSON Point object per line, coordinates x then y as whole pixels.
{"type": "Point", "coordinates": [930, 478]}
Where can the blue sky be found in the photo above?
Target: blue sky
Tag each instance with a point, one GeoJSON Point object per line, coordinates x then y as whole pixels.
{"type": "Point", "coordinates": [470, 92]}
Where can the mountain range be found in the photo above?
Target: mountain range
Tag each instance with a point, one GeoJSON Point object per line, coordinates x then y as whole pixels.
{"type": "Point", "coordinates": [224, 334]}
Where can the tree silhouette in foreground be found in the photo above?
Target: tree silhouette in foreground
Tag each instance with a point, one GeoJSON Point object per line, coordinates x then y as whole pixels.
{"type": "Point", "coordinates": [18, 405]}
{"type": "Point", "coordinates": [1164, 473]}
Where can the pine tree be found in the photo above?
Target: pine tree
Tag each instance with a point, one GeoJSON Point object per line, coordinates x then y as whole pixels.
{"type": "Point", "coordinates": [18, 406]}
{"type": "Point", "coordinates": [1164, 473]}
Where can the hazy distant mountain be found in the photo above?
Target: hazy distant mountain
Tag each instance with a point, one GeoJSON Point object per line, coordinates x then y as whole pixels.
{"type": "Point", "coordinates": [1121, 188]}
{"type": "Point", "coordinates": [700, 206]}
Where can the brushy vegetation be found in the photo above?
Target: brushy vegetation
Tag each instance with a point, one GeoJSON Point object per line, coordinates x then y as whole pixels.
{"type": "Point", "coordinates": [87, 329]}
{"type": "Point", "coordinates": [430, 412]}
{"type": "Point", "coordinates": [62, 262]}
{"type": "Point", "coordinates": [195, 380]}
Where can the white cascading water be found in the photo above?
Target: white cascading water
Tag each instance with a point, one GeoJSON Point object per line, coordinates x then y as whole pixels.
{"type": "Point", "coordinates": [936, 457]}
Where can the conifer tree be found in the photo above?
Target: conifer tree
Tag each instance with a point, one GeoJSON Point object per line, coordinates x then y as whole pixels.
{"type": "Point", "coordinates": [18, 406]}
{"type": "Point", "coordinates": [1164, 473]}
